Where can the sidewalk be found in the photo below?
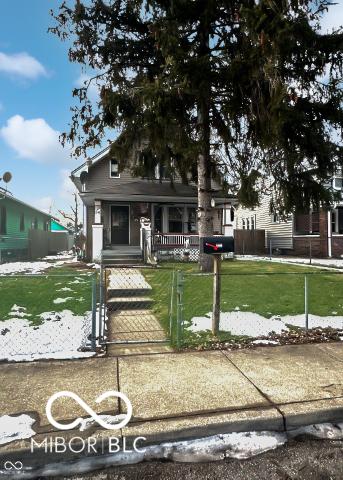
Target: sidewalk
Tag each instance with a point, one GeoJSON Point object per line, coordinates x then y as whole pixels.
{"type": "Point", "coordinates": [183, 395]}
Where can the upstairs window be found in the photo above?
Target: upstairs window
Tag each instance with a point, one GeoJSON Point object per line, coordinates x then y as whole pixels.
{"type": "Point", "coordinates": [160, 172]}
{"type": "Point", "coordinates": [3, 220]}
{"type": "Point", "coordinates": [22, 223]}
{"type": "Point", "coordinates": [114, 169]}
{"type": "Point", "coordinates": [275, 217]}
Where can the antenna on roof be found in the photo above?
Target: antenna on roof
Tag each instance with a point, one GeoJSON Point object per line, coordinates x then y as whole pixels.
{"type": "Point", "coordinates": [6, 178]}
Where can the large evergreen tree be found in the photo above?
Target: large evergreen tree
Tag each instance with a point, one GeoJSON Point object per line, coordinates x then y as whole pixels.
{"type": "Point", "coordinates": [250, 88]}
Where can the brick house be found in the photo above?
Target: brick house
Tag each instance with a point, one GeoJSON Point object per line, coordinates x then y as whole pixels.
{"type": "Point", "coordinates": [317, 232]}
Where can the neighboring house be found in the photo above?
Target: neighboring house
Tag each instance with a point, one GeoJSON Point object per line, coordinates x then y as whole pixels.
{"type": "Point", "coordinates": [318, 232]}
{"type": "Point", "coordinates": [17, 219]}
{"type": "Point", "coordinates": [56, 226]}
{"type": "Point", "coordinates": [116, 202]}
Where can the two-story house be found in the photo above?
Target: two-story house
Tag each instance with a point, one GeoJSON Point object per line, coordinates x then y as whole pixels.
{"type": "Point", "coordinates": [115, 202]}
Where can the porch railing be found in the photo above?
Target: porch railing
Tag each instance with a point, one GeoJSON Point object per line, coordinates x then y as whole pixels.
{"type": "Point", "coordinates": [175, 239]}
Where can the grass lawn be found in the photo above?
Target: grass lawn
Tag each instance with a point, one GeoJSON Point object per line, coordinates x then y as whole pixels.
{"type": "Point", "coordinates": [265, 288]}
{"type": "Point", "coordinates": [37, 293]}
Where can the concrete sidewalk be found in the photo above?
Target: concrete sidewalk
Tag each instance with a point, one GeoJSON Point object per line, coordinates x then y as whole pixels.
{"type": "Point", "coordinates": [183, 395]}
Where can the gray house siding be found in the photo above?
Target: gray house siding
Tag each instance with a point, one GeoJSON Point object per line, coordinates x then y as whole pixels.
{"type": "Point", "coordinates": [280, 232]}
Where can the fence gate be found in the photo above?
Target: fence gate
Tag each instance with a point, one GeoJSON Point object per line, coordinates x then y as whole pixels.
{"type": "Point", "coordinates": [130, 302]}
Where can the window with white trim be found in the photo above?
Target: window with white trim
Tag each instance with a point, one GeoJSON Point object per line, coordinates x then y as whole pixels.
{"type": "Point", "coordinates": [114, 168]}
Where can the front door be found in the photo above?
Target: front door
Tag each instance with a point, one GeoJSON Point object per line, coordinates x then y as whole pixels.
{"type": "Point", "coordinates": [120, 225]}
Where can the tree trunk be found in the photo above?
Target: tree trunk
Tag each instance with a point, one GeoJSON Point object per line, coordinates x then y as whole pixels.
{"type": "Point", "coordinates": [205, 211]}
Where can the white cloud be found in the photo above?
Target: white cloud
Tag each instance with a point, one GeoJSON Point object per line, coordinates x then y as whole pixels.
{"type": "Point", "coordinates": [67, 186]}
{"type": "Point", "coordinates": [333, 18]}
{"type": "Point", "coordinates": [21, 65]}
{"type": "Point", "coordinates": [33, 139]}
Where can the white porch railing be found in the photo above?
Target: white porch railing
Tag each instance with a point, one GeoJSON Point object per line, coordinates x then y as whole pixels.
{"type": "Point", "coordinates": [176, 239]}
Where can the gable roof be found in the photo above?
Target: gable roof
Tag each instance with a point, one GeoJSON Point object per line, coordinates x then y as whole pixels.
{"type": "Point", "coordinates": [7, 195]}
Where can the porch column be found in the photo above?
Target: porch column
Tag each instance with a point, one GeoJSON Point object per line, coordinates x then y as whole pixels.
{"type": "Point", "coordinates": [98, 233]}
{"type": "Point", "coordinates": [165, 219]}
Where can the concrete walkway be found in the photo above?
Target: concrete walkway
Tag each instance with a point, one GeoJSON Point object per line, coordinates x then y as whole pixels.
{"type": "Point", "coordinates": [131, 318]}
{"type": "Point", "coordinates": [183, 395]}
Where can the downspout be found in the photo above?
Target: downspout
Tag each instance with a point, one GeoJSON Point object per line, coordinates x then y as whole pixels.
{"type": "Point", "coordinates": [329, 234]}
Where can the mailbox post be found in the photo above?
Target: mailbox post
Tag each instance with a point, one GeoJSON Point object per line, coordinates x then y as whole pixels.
{"type": "Point", "coordinates": [216, 246]}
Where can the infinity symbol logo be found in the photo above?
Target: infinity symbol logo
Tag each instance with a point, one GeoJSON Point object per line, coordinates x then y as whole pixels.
{"type": "Point", "coordinates": [10, 465]}
{"type": "Point", "coordinates": [89, 410]}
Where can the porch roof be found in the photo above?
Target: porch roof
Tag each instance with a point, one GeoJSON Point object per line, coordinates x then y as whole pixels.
{"type": "Point", "coordinates": [151, 192]}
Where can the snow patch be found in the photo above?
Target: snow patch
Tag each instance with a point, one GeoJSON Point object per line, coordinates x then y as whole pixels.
{"type": "Point", "coordinates": [15, 428]}
{"type": "Point", "coordinates": [62, 300]}
{"type": "Point", "coordinates": [330, 263]}
{"type": "Point", "coordinates": [254, 325]}
{"type": "Point", "coordinates": [61, 335]}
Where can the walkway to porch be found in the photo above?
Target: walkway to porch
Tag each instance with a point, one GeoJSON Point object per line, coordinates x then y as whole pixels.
{"type": "Point", "coordinates": [132, 325]}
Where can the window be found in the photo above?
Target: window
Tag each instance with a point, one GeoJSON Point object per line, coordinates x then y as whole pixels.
{"type": "Point", "coordinates": [243, 224]}
{"type": "Point", "coordinates": [275, 217]}
{"type": "Point", "coordinates": [252, 223]}
{"type": "Point", "coordinates": [35, 223]}
{"type": "Point", "coordinates": [22, 222]}
{"type": "Point", "coordinates": [337, 220]}
{"type": "Point", "coordinates": [46, 226]}
{"type": "Point", "coordinates": [248, 224]}
{"type": "Point", "coordinates": [3, 220]}
{"type": "Point", "coordinates": [114, 169]}
{"type": "Point", "coordinates": [160, 172]}
{"type": "Point", "coordinates": [337, 183]}
{"type": "Point", "coordinates": [175, 220]}
{"type": "Point", "coordinates": [192, 220]}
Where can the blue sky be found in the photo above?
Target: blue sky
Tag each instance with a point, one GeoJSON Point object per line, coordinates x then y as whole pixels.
{"type": "Point", "coordinates": [36, 82]}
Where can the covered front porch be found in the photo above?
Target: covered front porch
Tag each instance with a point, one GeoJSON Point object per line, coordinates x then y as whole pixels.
{"type": "Point", "coordinates": [117, 226]}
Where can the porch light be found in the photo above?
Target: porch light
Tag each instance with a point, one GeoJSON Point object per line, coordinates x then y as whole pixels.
{"type": "Point", "coordinates": [213, 202]}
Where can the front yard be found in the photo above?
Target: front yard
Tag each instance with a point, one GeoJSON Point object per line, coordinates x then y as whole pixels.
{"type": "Point", "coordinates": [46, 315]}
{"type": "Point", "coordinates": [257, 298]}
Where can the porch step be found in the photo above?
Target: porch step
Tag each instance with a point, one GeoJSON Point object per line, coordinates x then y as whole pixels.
{"type": "Point", "coordinates": [121, 262]}
{"type": "Point", "coordinates": [128, 292]}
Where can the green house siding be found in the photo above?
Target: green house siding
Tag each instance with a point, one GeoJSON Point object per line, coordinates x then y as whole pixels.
{"type": "Point", "coordinates": [57, 227]}
{"type": "Point", "coordinates": [14, 238]}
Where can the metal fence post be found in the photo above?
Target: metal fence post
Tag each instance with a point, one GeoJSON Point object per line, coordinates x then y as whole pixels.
{"type": "Point", "coordinates": [306, 302]}
{"type": "Point", "coordinates": [93, 338]}
{"type": "Point", "coordinates": [270, 248]}
{"type": "Point", "coordinates": [179, 323]}
{"type": "Point", "coordinates": [171, 305]}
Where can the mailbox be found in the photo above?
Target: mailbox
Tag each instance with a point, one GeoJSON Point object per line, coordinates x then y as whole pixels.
{"type": "Point", "coordinates": [216, 245]}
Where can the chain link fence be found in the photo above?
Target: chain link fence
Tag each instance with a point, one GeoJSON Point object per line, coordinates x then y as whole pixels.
{"type": "Point", "coordinates": [48, 316]}
{"type": "Point", "coordinates": [256, 306]}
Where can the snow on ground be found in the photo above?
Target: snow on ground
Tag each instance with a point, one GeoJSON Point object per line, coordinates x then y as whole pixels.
{"type": "Point", "coordinates": [38, 266]}
{"type": "Point", "coordinates": [15, 428]}
{"type": "Point", "coordinates": [255, 325]}
{"type": "Point", "coordinates": [316, 262]}
{"type": "Point", "coordinates": [61, 335]}
{"type": "Point", "coordinates": [127, 278]}
{"type": "Point", "coordinates": [62, 300]}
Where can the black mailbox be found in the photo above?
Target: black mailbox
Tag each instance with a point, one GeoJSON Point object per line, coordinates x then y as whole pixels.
{"type": "Point", "coordinates": [217, 245]}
